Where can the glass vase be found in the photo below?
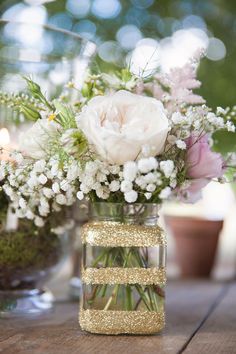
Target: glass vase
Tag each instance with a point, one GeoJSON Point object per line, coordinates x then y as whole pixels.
{"type": "Point", "coordinates": [28, 258]}
{"type": "Point", "coordinates": [123, 270]}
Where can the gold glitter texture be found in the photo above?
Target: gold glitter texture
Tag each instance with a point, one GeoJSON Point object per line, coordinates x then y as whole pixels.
{"type": "Point", "coordinates": [121, 322]}
{"type": "Point", "coordinates": [112, 234]}
{"type": "Point", "coordinates": [143, 276]}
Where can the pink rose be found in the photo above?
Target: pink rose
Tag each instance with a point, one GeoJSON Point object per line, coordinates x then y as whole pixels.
{"type": "Point", "coordinates": [201, 161]}
{"type": "Point", "coordinates": [202, 165]}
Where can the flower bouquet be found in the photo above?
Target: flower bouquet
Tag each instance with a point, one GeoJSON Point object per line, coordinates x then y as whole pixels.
{"type": "Point", "coordinates": [126, 143]}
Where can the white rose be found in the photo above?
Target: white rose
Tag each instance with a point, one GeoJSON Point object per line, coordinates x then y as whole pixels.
{"type": "Point", "coordinates": [36, 141]}
{"type": "Point", "coordinates": [119, 125]}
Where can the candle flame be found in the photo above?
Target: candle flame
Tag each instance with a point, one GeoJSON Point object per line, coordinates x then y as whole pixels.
{"type": "Point", "coordinates": [4, 137]}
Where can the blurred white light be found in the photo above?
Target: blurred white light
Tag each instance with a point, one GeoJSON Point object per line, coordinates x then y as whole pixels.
{"type": "Point", "coordinates": [145, 58]}
{"type": "Point", "coordinates": [221, 192]}
{"type": "Point", "coordinates": [109, 51]}
{"type": "Point", "coordinates": [37, 2]}
{"type": "Point", "coordinates": [79, 8]}
{"type": "Point", "coordinates": [178, 49]}
{"type": "Point", "coordinates": [4, 137]}
{"type": "Point", "coordinates": [216, 49]}
{"type": "Point", "coordinates": [29, 33]}
{"type": "Point", "coordinates": [32, 14]}
{"type": "Point", "coordinates": [11, 13]}
{"type": "Point", "coordinates": [128, 36]}
{"type": "Point", "coordinates": [25, 33]}
{"type": "Point", "coordinates": [106, 9]}
{"type": "Point", "coordinates": [90, 49]}
{"type": "Point", "coordinates": [61, 73]}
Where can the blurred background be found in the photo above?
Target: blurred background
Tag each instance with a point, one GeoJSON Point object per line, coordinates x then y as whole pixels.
{"type": "Point", "coordinates": [153, 34]}
{"type": "Point", "coordinates": [165, 32]}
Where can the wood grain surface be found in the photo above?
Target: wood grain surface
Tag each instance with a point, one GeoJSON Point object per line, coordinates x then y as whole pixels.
{"type": "Point", "coordinates": [218, 333]}
{"type": "Point", "coordinates": [201, 318]}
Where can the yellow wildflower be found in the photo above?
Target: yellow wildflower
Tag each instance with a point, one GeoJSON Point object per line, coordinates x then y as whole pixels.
{"type": "Point", "coordinates": [51, 117]}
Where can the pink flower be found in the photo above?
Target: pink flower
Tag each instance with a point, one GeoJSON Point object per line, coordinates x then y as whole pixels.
{"type": "Point", "coordinates": [201, 161]}
{"type": "Point", "coordinates": [202, 165]}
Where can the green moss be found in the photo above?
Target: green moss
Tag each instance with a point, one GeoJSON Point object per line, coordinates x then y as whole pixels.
{"type": "Point", "coordinates": [3, 208]}
{"type": "Point", "coordinates": [26, 252]}
{"type": "Point", "coordinates": [27, 248]}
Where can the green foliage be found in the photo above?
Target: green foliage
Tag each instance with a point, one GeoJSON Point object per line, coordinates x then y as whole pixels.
{"type": "Point", "coordinates": [65, 115]}
{"type": "Point", "coordinates": [224, 141]}
{"type": "Point", "coordinates": [92, 86]}
{"type": "Point", "coordinates": [36, 92]}
{"type": "Point", "coordinates": [29, 112]}
{"type": "Point", "coordinates": [79, 142]}
{"type": "Point", "coordinates": [21, 103]}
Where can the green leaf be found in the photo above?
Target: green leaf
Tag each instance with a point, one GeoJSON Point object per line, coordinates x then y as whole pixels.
{"type": "Point", "coordinates": [29, 112]}
{"type": "Point", "coordinates": [224, 141]}
{"type": "Point", "coordinates": [36, 92]}
{"type": "Point", "coordinates": [66, 115]}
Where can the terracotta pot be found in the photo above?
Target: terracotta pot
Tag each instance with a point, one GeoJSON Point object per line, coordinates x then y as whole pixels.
{"type": "Point", "coordinates": [196, 242]}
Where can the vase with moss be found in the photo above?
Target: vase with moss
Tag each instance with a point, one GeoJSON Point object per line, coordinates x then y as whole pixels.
{"type": "Point", "coordinates": [123, 270]}
{"type": "Point", "coordinates": [28, 257]}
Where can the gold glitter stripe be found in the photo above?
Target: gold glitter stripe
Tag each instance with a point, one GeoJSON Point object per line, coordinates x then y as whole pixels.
{"type": "Point", "coordinates": [121, 322]}
{"type": "Point", "coordinates": [143, 276]}
{"type": "Point", "coordinates": [112, 234]}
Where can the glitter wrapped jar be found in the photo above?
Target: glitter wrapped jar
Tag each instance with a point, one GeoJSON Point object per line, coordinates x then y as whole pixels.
{"type": "Point", "coordinates": [123, 270]}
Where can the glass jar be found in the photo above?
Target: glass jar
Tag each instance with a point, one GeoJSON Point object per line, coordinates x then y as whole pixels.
{"type": "Point", "coordinates": [28, 257]}
{"type": "Point", "coordinates": [80, 217]}
{"type": "Point", "coordinates": [123, 270]}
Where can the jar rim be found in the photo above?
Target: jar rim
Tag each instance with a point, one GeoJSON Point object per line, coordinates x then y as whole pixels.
{"type": "Point", "coordinates": [125, 204]}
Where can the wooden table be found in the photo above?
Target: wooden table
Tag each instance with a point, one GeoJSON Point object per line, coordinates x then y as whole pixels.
{"type": "Point", "coordinates": [201, 319]}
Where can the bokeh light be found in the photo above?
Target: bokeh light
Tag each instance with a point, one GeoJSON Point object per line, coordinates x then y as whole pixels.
{"type": "Point", "coordinates": [128, 36]}
{"type": "Point", "coordinates": [181, 46]}
{"type": "Point", "coordinates": [106, 9]}
{"type": "Point", "coordinates": [110, 52]}
{"type": "Point", "coordinates": [194, 21]}
{"type": "Point", "coordinates": [27, 14]}
{"type": "Point", "coordinates": [216, 49]}
{"type": "Point", "coordinates": [145, 57]}
{"type": "Point", "coordinates": [78, 8]}
{"type": "Point", "coordinates": [86, 29]}
{"type": "Point", "coordinates": [61, 20]}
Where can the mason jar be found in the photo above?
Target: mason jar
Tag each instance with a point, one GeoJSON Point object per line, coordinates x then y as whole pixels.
{"type": "Point", "coordinates": [123, 270]}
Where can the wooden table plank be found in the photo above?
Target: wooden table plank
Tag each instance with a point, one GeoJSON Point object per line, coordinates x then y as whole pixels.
{"type": "Point", "coordinates": [187, 304]}
{"type": "Point", "coordinates": [218, 334]}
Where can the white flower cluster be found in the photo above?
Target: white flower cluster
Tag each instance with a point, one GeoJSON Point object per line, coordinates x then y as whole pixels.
{"type": "Point", "coordinates": [146, 177]}
{"type": "Point", "coordinates": [38, 188]}
{"type": "Point", "coordinates": [196, 119]}
{"type": "Point", "coordinates": [95, 177]}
